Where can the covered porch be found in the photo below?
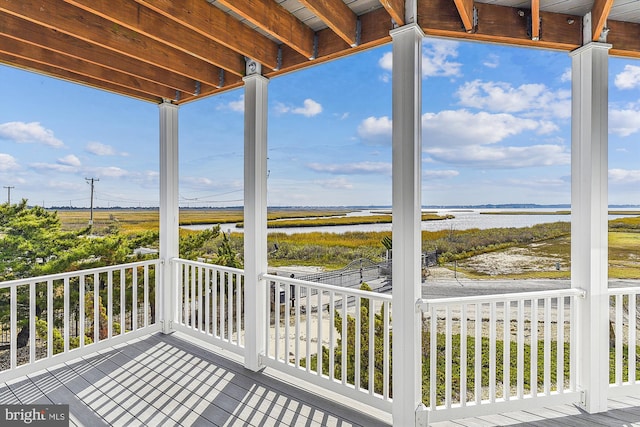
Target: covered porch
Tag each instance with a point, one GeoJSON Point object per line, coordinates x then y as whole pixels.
{"type": "Point", "coordinates": [518, 352]}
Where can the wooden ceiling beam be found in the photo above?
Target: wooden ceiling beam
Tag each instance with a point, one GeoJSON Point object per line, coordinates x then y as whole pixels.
{"type": "Point", "coordinates": [60, 73]}
{"type": "Point", "coordinates": [375, 27]}
{"type": "Point", "coordinates": [535, 20]}
{"type": "Point", "coordinates": [77, 66]}
{"type": "Point", "coordinates": [395, 8]}
{"type": "Point", "coordinates": [276, 21]}
{"type": "Point", "coordinates": [500, 24]}
{"type": "Point", "coordinates": [599, 14]}
{"type": "Point", "coordinates": [465, 10]}
{"type": "Point", "coordinates": [96, 30]}
{"type": "Point", "coordinates": [145, 21]}
{"type": "Point", "coordinates": [337, 15]}
{"type": "Point", "coordinates": [219, 26]}
{"type": "Point", "coordinates": [623, 36]}
{"type": "Point", "coordinates": [65, 44]}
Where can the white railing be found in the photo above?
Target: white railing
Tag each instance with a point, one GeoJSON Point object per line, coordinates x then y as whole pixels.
{"type": "Point", "coordinates": [497, 353]}
{"type": "Point", "coordinates": [211, 303]}
{"type": "Point", "coordinates": [308, 337]}
{"type": "Point", "coordinates": [624, 339]}
{"type": "Point", "coordinates": [57, 317]}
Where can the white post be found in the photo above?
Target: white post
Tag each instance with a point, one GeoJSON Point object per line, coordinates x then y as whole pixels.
{"type": "Point", "coordinates": [168, 211]}
{"type": "Point", "coordinates": [255, 214]}
{"type": "Point", "coordinates": [408, 409]}
{"type": "Point", "coordinates": [589, 210]}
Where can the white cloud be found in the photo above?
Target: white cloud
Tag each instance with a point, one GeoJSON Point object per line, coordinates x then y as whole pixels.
{"type": "Point", "coordinates": [530, 99]}
{"type": "Point", "coordinates": [69, 160]}
{"type": "Point", "coordinates": [100, 149]}
{"type": "Point", "coordinates": [440, 174]}
{"type": "Point", "coordinates": [463, 137]}
{"type": "Point", "coordinates": [437, 55]}
{"type": "Point", "coordinates": [624, 122]}
{"type": "Point", "coordinates": [340, 183]}
{"type": "Point", "coordinates": [33, 132]}
{"type": "Point", "coordinates": [376, 130]}
{"type": "Point", "coordinates": [461, 127]}
{"type": "Point", "coordinates": [197, 181]}
{"type": "Point", "coordinates": [624, 176]}
{"type": "Point", "coordinates": [629, 78]}
{"type": "Point", "coordinates": [110, 171]}
{"type": "Point", "coordinates": [502, 157]}
{"type": "Point", "coordinates": [566, 75]}
{"type": "Point", "coordinates": [309, 108]}
{"type": "Point", "coordinates": [237, 105]}
{"type": "Point", "coordinates": [360, 168]}
{"type": "Point", "coordinates": [53, 167]}
{"type": "Point", "coordinates": [492, 61]}
{"type": "Point", "coordinates": [436, 58]}
{"type": "Point", "coordinates": [7, 162]}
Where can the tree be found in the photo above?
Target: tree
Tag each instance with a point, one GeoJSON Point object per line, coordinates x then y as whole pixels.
{"type": "Point", "coordinates": [32, 243]}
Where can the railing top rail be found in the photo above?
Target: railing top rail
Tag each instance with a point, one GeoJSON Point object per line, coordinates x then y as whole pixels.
{"type": "Point", "coordinates": [625, 290]}
{"type": "Point", "coordinates": [324, 286]}
{"type": "Point", "coordinates": [207, 265]}
{"type": "Point", "coordinates": [517, 296]}
{"type": "Point", "coordinates": [75, 273]}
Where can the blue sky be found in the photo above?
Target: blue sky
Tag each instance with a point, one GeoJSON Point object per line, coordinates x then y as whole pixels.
{"type": "Point", "coordinates": [496, 129]}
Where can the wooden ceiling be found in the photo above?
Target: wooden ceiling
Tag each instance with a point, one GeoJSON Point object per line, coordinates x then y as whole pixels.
{"type": "Point", "coordinates": [183, 50]}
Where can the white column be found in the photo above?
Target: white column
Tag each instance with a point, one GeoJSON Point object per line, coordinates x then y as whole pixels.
{"type": "Point", "coordinates": [255, 215]}
{"type": "Point", "coordinates": [589, 160]}
{"type": "Point", "coordinates": [168, 211]}
{"type": "Point", "coordinates": [407, 166]}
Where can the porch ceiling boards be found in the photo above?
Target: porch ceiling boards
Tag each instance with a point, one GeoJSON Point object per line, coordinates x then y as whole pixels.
{"type": "Point", "coordinates": [181, 51]}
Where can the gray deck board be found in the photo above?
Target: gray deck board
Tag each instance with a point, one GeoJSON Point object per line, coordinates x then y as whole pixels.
{"type": "Point", "coordinates": [621, 413]}
{"type": "Point", "coordinates": [165, 380]}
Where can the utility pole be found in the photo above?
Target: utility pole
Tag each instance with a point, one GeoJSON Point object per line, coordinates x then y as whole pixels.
{"type": "Point", "coordinates": [8, 194]}
{"type": "Point", "coordinates": [91, 181]}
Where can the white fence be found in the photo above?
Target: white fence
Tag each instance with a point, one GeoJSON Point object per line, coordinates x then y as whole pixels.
{"type": "Point", "coordinates": [624, 339]}
{"type": "Point", "coordinates": [102, 306]}
{"type": "Point", "coordinates": [211, 303]}
{"type": "Point", "coordinates": [497, 353]}
{"type": "Point", "coordinates": [331, 336]}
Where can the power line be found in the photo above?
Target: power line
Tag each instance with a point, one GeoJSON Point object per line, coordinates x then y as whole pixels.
{"type": "Point", "coordinates": [91, 181]}
{"type": "Point", "coordinates": [8, 194]}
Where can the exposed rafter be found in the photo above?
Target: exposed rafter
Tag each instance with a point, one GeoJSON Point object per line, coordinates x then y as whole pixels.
{"type": "Point", "coordinates": [145, 21]}
{"type": "Point", "coordinates": [31, 33]}
{"type": "Point", "coordinates": [465, 10]}
{"type": "Point", "coordinates": [395, 8]}
{"type": "Point", "coordinates": [184, 50]}
{"type": "Point", "coordinates": [76, 22]}
{"type": "Point", "coordinates": [277, 21]}
{"type": "Point", "coordinates": [221, 27]}
{"type": "Point", "coordinates": [45, 59]}
{"type": "Point", "coordinates": [535, 20]}
{"type": "Point", "coordinates": [337, 16]}
{"type": "Point", "coordinates": [599, 14]}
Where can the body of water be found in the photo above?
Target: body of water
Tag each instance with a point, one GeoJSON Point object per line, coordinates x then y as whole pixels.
{"type": "Point", "coordinates": [464, 219]}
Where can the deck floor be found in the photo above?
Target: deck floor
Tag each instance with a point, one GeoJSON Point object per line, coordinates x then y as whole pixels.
{"type": "Point", "coordinates": [164, 380]}
{"type": "Point", "coordinates": [624, 411]}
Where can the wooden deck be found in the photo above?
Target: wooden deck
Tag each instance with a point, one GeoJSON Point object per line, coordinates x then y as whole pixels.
{"type": "Point", "coordinates": [169, 381]}
{"type": "Point", "coordinates": [165, 380]}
